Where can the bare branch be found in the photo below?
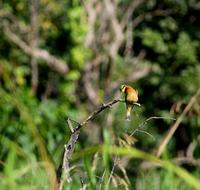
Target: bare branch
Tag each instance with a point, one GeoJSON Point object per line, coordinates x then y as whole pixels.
{"type": "Point", "coordinates": [97, 111]}
{"type": "Point", "coordinates": [63, 168]}
{"type": "Point", "coordinates": [69, 148]}
{"type": "Point", "coordinates": [58, 64]}
{"type": "Point", "coordinates": [145, 132]}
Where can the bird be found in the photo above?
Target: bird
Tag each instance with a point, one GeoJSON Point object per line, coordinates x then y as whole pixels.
{"type": "Point", "coordinates": [131, 97]}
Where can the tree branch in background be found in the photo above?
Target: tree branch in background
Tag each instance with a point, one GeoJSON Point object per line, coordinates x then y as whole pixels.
{"type": "Point", "coordinates": [107, 32]}
{"type": "Point", "coordinates": [53, 62]}
{"type": "Point", "coordinates": [92, 14]}
{"type": "Point", "coordinates": [129, 12]}
{"type": "Point", "coordinates": [34, 43]}
{"type": "Point", "coordinates": [159, 12]}
{"type": "Point", "coordinates": [116, 27]}
{"type": "Point", "coordinates": [131, 77]}
{"type": "Point", "coordinates": [188, 159]}
{"type": "Point", "coordinates": [174, 127]}
{"type": "Point", "coordinates": [89, 88]}
{"type": "Point", "coordinates": [88, 78]}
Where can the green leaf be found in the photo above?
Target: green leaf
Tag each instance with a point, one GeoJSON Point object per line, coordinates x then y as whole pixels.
{"type": "Point", "coordinates": [153, 39]}
{"type": "Point", "coordinates": [186, 49]}
{"type": "Point", "coordinates": [10, 163]}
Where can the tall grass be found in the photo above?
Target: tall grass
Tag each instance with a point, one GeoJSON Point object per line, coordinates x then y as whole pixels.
{"type": "Point", "coordinates": [96, 172]}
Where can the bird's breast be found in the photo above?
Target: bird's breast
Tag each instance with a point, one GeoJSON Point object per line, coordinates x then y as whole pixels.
{"type": "Point", "coordinates": [131, 96]}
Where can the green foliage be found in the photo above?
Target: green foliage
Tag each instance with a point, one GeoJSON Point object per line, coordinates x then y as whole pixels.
{"type": "Point", "coordinates": [154, 40]}
{"type": "Point", "coordinates": [78, 27]}
{"type": "Point", "coordinates": [159, 179]}
{"type": "Point", "coordinates": [186, 49]}
{"type": "Point", "coordinates": [33, 126]}
{"type": "Point", "coordinates": [169, 24]}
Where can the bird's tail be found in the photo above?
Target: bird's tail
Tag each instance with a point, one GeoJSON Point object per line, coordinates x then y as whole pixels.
{"type": "Point", "coordinates": [128, 112]}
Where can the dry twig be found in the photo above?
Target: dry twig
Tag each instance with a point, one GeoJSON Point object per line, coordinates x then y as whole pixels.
{"type": "Point", "coordinates": [145, 122]}
{"type": "Point", "coordinates": [113, 168]}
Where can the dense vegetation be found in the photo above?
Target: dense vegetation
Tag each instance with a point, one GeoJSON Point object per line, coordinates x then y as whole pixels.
{"type": "Point", "coordinates": [61, 59]}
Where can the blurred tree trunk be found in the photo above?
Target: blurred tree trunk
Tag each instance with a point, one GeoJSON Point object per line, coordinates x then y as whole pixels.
{"type": "Point", "coordinates": [110, 31]}
{"type": "Point", "coordinates": [34, 43]}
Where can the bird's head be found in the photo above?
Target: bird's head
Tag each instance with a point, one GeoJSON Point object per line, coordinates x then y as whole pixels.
{"type": "Point", "coordinates": [122, 88]}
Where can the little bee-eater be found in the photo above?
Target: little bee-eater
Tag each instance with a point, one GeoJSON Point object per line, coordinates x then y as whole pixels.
{"type": "Point", "coordinates": [131, 97]}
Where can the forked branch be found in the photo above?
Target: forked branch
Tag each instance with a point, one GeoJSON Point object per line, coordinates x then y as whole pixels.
{"type": "Point", "coordinates": [64, 168]}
